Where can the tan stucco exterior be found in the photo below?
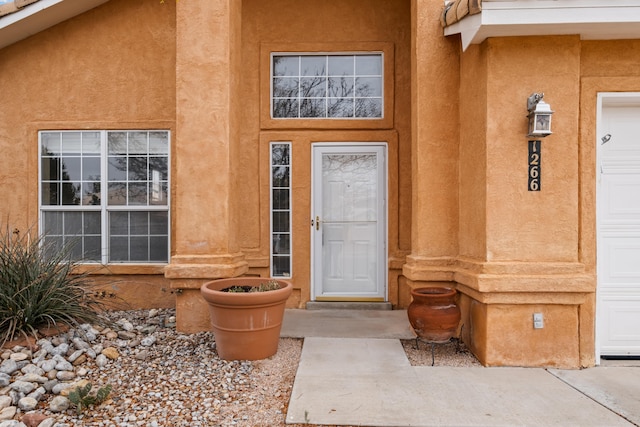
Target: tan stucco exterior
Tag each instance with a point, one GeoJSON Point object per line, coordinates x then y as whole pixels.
{"type": "Point", "coordinates": [459, 212]}
{"type": "Point", "coordinates": [529, 259]}
{"type": "Point", "coordinates": [105, 69]}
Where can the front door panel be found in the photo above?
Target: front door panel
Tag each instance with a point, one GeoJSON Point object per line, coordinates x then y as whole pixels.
{"type": "Point", "coordinates": [349, 222]}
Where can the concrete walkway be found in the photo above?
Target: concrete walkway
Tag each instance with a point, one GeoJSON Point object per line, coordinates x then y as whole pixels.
{"type": "Point", "coordinates": [358, 379]}
{"type": "Point", "coordinates": [347, 324]}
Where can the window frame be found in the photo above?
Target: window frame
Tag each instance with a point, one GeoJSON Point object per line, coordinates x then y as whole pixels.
{"type": "Point", "coordinates": [272, 233]}
{"type": "Point", "coordinates": [104, 208]}
{"type": "Point", "coordinates": [268, 50]}
{"type": "Point", "coordinates": [326, 98]}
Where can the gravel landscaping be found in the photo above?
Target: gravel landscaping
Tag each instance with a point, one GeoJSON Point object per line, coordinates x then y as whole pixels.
{"type": "Point", "coordinates": [158, 377]}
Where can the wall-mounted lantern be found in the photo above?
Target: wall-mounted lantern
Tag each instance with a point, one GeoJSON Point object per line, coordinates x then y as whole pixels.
{"type": "Point", "coordinates": [539, 116]}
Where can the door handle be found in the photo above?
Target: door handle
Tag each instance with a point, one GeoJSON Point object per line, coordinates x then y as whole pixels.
{"type": "Point", "coordinates": [317, 223]}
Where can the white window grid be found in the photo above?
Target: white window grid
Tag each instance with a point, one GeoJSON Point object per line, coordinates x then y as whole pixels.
{"type": "Point", "coordinates": [104, 208]}
{"type": "Point", "coordinates": [327, 99]}
{"type": "Point", "coordinates": [279, 256]}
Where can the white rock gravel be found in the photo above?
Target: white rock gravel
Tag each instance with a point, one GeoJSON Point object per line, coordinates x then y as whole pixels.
{"type": "Point", "coordinates": [159, 377]}
{"type": "Point", "coordinates": [452, 353]}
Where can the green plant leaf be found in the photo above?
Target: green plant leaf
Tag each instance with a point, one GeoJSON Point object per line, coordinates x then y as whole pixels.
{"type": "Point", "coordinates": [84, 391]}
{"type": "Point", "coordinates": [103, 393]}
{"type": "Point", "coordinates": [39, 286]}
{"type": "Point", "coordinates": [74, 397]}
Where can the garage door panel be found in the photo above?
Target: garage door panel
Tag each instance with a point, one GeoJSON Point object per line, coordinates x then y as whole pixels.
{"type": "Point", "coordinates": [622, 124]}
{"type": "Point", "coordinates": [623, 261]}
{"type": "Point", "coordinates": [621, 199]}
{"type": "Point", "coordinates": [620, 320]}
{"type": "Point", "coordinates": [618, 223]}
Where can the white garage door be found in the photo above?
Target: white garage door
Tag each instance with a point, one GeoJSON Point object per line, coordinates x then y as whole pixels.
{"type": "Point", "coordinates": [618, 217]}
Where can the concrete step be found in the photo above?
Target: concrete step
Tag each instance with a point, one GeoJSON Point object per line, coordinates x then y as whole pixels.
{"type": "Point", "coordinates": [348, 305]}
{"type": "Point", "coordinates": [300, 323]}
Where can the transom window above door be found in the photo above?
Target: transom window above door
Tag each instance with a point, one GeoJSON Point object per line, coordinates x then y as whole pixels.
{"type": "Point", "coordinates": [336, 86]}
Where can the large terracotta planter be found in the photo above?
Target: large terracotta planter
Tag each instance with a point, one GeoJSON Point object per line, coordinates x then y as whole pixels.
{"type": "Point", "coordinates": [246, 326]}
{"type": "Point", "coordinates": [434, 314]}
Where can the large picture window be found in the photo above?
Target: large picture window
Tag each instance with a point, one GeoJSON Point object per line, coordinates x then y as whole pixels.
{"type": "Point", "coordinates": [281, 209]}
{"type": "Point", "coordinates": [107, 192]}
{"type": "Point", "coordinates": [337, 86]}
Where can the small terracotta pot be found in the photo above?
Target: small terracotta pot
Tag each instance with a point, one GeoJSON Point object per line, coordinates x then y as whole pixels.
{"type": "Point", "coordinates": [433, 313]}
{"type": "Point", "coordinates": [246, 326]}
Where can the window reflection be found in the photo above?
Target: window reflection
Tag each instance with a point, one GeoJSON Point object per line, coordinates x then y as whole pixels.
{"type": "Point", "coordinates": [138, 164]}
{"type": "Point", "coordinates": [138, 236]}
{"type": "Point", "coordinates": [353, 180]}
{"type": "Point", "coordinates": [280, 210]}
{"type": "Point", "coordinates": [136, 175]}
{"type": "Point", "coordinates": [369, 65]}
{"type": "Point", "coordinates": [341, 65]}
{"type": "Point", "coordinates": [79, 229]}
{"type": "Point", "coordinates": [327, 86]}
{"type": "Point", "coordinates": [70, 168]}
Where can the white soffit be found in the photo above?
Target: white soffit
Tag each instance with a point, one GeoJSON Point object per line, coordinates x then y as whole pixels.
{"type": "Point", "coordinates": [591, 19]}
{"type": "Point", "coordinates": [39, 16]}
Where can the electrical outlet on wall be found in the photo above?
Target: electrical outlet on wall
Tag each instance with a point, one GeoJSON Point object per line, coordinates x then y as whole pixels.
{"type": "Point", "coordinates": [538, 321]}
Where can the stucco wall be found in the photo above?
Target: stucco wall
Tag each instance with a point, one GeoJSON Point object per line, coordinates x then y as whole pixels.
{"type": "Point", "coordinates": [519, 251]}
{"type": "Point", "coordinates": [524, 225]}
{"type": "Point", "coordinates": [337, 26]}
{"type": "Point", "coordinates": [459, 209]}
{"type": "Point", "coordinates": [111, 67]}
{"type": "Point", "coordinates": [606, 66]}
{"type": "Point", "coordinates": [435, 122]}
{"type": "Point", "coordinates": [473, 154]}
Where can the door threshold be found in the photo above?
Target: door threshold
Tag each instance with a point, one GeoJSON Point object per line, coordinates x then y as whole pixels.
{"type": "Point", "coordinates": [620, 357]}
{"type": "Point", "coordinates": [348, 305]}
{"type": "Point", "coordinates": [619, 362]}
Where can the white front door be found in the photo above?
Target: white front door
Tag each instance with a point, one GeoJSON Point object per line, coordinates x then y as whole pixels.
{"type": "Point", "coordinates": [348, 222]}
{"type": "Point", "coordinates": [618, 225]}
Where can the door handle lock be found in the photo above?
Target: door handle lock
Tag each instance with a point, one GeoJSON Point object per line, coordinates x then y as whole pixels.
{"type": "Point", "coordinates": [317, 223]}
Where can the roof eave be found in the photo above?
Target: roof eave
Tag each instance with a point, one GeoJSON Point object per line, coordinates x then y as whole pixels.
{"type": "Point", "coordinates": [591, 19]}
{"type": "Point", "coordinates": [39, 16]}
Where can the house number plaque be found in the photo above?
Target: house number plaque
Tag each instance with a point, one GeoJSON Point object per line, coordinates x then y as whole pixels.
{"type": "Point", "coordinates": [534, 165]}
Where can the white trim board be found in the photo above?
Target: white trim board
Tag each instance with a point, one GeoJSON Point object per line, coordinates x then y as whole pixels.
{"type": "Point", "coordinates": [591, 19]}
{"type": "Point", "coordinates": [39, 16]}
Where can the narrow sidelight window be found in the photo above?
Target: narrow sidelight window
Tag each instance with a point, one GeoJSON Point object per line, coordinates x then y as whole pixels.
{"type": "Point", "coordinates": [280, 209]}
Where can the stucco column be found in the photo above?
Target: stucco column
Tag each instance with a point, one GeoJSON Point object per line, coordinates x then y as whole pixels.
{"type": "Point", "coordinates": [434, 146]}
{"type": "Point", "coordinates": [207, 66]}
{"type": "Point", "coordinates": [519, 250]}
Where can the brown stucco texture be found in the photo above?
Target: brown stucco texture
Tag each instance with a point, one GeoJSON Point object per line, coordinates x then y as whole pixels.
{"type": "Point", "coordinates": [459, 211]}
{"type": "Point", "coordinates": [104, 69]}
{"type": "Point", "coordinates": [280, 25]}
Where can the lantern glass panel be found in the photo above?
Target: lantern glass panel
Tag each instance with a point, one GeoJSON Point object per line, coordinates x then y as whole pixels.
{"type": "Point", "coordinates": [543, 122]}
{"type": "Point", "coordinates": [532, 123]}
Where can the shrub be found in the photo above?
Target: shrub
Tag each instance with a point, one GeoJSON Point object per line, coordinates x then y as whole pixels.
{"type": "Point", "coordinates": [38, 287]}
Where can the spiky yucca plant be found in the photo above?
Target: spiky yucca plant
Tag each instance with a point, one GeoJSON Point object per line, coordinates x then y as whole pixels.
{"type": "Point", "coordinates": [39, 288]}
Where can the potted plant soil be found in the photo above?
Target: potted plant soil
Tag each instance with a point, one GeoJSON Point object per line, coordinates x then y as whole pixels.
{"type": "Point", "coordinates": [246, 315]}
